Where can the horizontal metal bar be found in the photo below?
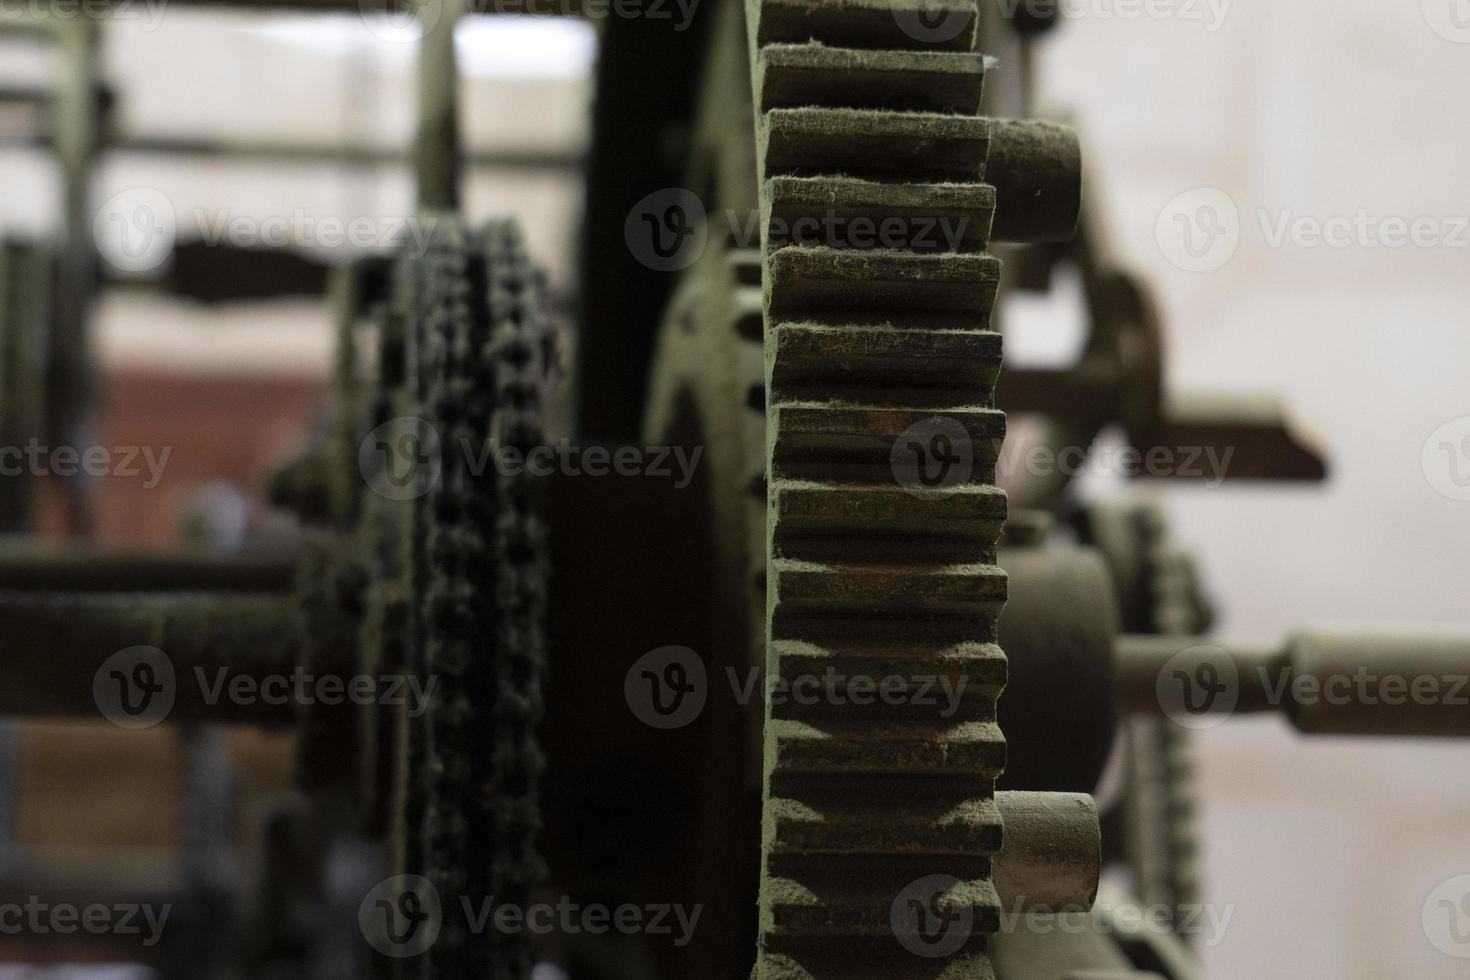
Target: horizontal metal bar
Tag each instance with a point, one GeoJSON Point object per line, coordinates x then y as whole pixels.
{"type": "Point", "coordinates": [60, 649]}
{"type": "Point", "coordinates": [346, 155]}
{"type": "Point", "coordinates": [24, 566]}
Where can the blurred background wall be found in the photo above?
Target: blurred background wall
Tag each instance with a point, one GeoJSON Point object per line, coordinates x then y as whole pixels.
{"type": "Point", "coordinates": [1313, 109]}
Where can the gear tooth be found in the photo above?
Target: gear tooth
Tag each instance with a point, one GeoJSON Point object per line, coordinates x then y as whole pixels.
{"type": "Point", "coordinates": [952, 289]}
{"type": "Point", "coordinates": [853, 213]}
{"type": "Point", "coordinates": [797, 75]}
{"type": "Point", "coordinates": [875, 143]}
{"type": "Point", "coordinates": [901, 366]}
{"type": "Point", "coordinates": [867, 23]}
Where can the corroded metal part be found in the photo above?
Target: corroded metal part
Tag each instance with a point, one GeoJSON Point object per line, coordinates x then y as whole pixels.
{"type": "Point", "coordinates": [1036, 169]}
{"type": "Point", "coordinates": [1052, 856]}
{"type": "Point", "coordinates": [1059, 735]}
{"type": "Point", "coordinates": [1120, 378]}
{"type": "Point", "coordinates": [864, 576]}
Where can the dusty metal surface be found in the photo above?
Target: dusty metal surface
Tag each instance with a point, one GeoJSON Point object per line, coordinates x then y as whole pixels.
{"type": "Point", "coordinates": [864, 575]}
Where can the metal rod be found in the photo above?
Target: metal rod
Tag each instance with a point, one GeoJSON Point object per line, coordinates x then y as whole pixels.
{"type": "Point", "coordinates": [437, 141]}
{"type": "Point", "coordinates": [77, 134]}
{"type": "Point", "coordinates": [25, 566]}
{"type": "Point", "coordinates": [1324, 683]}
{"type": "Point", "coordinates": [84, 655]}
{"type": "Point", "coordinates": [341, 154]}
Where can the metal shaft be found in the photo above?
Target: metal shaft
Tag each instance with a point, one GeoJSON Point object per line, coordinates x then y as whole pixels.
{"type": "Point", "coordinates": [26, 567]}
{"type": "Point", "coordinates": [1052, 855]}
{"type": "Point", "coordinates": [218, 649]}
{"type": "Point", "coordinates": [438, 132]}
{"type": "Point", "coordinates": [1324, 683]}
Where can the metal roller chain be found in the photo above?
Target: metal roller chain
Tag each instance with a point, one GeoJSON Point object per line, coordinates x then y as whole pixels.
{"type": "Point", "coordinates": [480, 588]}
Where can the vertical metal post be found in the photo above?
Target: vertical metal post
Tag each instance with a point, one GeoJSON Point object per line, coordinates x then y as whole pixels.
{"type": "Point", "coordinates": [437, 150]}
{"type": "Point", "coordinates": [11, 736]}
{"type": "Point", "coordinates": [207, 818]}
{"type": "Point", "coordinates": [77, 138]}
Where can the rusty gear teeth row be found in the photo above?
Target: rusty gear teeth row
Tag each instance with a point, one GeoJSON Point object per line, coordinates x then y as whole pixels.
{"type": "Point", "coordinates": [480, 588]}
{"type": "Point", "coordinates": [857, 120]}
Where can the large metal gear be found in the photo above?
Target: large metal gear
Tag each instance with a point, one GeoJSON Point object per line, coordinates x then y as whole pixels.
{"type": "Point", "coordinates": [849, 572]}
